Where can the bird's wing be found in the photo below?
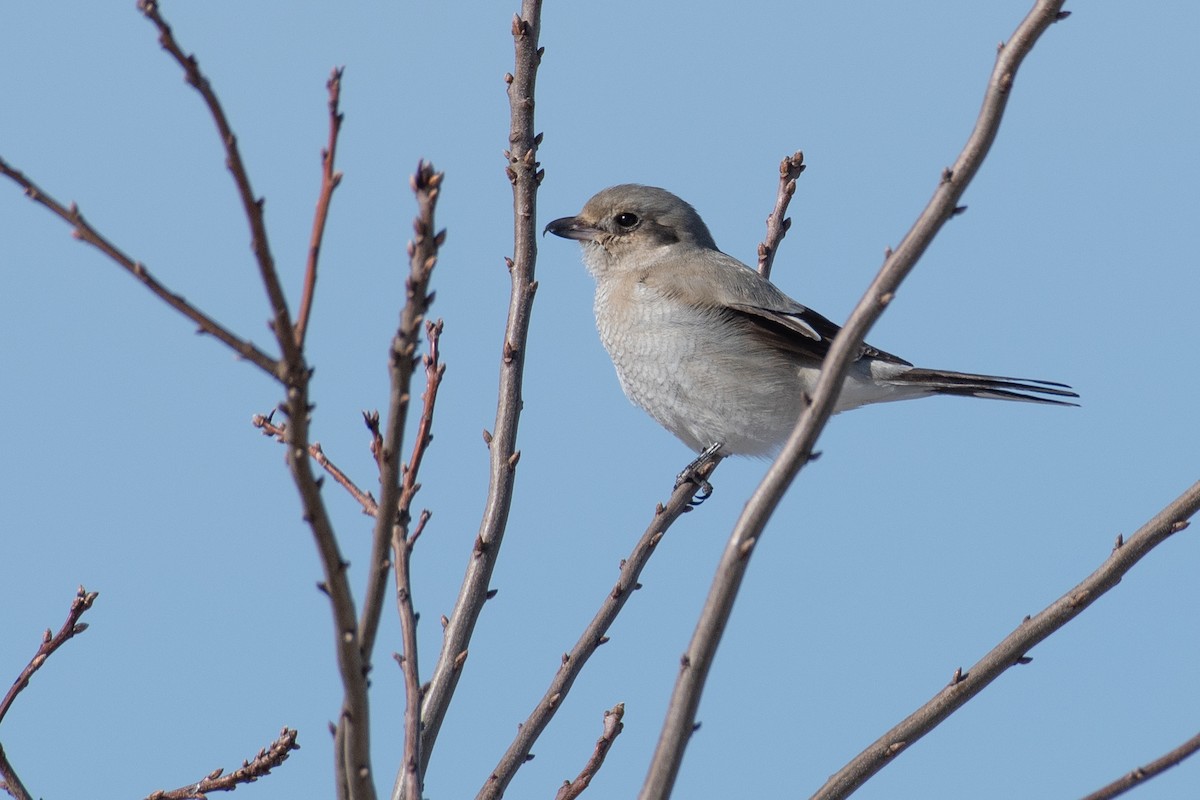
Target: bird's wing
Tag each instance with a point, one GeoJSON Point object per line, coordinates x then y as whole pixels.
{"type": "Point", "coordinates": [753, 299]}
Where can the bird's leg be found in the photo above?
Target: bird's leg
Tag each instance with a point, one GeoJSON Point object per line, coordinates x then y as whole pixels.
{"type": "Point", "coordinates": [692, 473]}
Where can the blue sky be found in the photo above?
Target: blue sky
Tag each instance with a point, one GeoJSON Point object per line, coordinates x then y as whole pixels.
{"type": "Point", "coordinates": [922, 536]}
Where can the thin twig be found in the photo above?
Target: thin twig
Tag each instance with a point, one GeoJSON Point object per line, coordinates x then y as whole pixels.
{"type": "Point", "coordinates": [218, 780]}
{"type": "Point", "coordinates": [612, 729]}
{"type": "Point", "coordinates": [681, 713]}
{"type": "Point", "coordinates": [266, 424]}
{"type": "Point", "coordinates": [369, 506]}
{"type": "Point", "coordinates": [1142, 774]}
{"type": "Point", "coordinates": [409, 774]}
{"type": "Point", "coordinates": [402, 359]}
{"type": "Point", "coordinates": [402, 547]}
{"type": "Point", "coordinates": [84, 232]}
{"type": "Point", "coordinates": [50, 643]}
{"type": "Point", "coordinates": [592, 637]}
{"type": "Point", "coordinates": [281, 323]}
{"type": "Point", "coordinates": [1012, 650]}
{"type": "Point", "coordinates": [778, 223]}
{"type": "Point", "coordinates": [434, 370]}
{"type": "Point", "coordinates": [525, 174]}
{"type": "Point", "coordinates": [329, 181]}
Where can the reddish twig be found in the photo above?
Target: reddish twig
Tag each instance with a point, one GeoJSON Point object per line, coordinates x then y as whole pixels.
{"type": "Point", "coordinates": [266, 424]}
{"type": "Point", "coordinates": [1013, 649]}
{"type": "Point", "coordinates": [218, 780]}
{"type": "Point", "coordinates": [797, 451]}
{"type": "Point", "coordinates": [525, 174]}
{"type": "Point", "coordinates": [84, 232]}
{"type": "Point", "coordinates": [281, 323]}
{"type": "Point", "coordinates": [592, 637]}
{"type": "Point", "coordinates": [50, 643]}
{"type": "Point", "coordinates": [329, 181]}
{"type": "Point", "coordinates": [778, 223]}
{"type": "Point", "coordinates": [426, 184]}
{"type": "Point", "coordinates": [1142, 774]}
{"type": "Point", "coordinates": [434, 370]}
{"type": "Point", "coordinates": [402, 546]}
{"type": "Point", "coordinates": [612, 729]}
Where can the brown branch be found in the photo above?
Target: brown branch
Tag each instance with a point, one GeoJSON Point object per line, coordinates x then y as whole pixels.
{"type": "Point", "coordinates": [11, 782]}
{"type": "Point", "coordinates": [354, 758]}
{"type": "Point", "coordinates": [266, 424]}
{"type": "Point", "coordinates": [434, 370]}
{"type": "Point", "coordinates": [281, 323]}
{"type": "Point", "coordinates": [353, 730]}
{"type": "Point", "coordinates": [409, 775]}
{"type": "Point", "coordinates": [84, 232]}
{"type": "Point", "coordinates": [1142, 774]}
{"type": "Point", "coordinates": [218, 780]}
{"type": "Point", "coordinates": [778, 223]}
{"type": "Point", "coordinates": [329, 181]}
{"type": "Point", "coordinates": [592, 637]}
{"type": "Point", "coordinates": [525, 175]}
{"type": "Point", "coordinates": [1012, 650]}
{"type": "Point", "coordinates": [422, 253]}
{"type": "Point", "coordinates": [681, 712]}
{"type": "Point", "coordinates": [402, 546]}
{"type": "Point", "coordinates": [612, 729]}
{"type": "Point", "coordinates": [50, 643]}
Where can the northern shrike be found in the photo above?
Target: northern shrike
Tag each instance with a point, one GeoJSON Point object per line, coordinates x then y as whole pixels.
{"type": "Point", "coordinates": [714, 351]}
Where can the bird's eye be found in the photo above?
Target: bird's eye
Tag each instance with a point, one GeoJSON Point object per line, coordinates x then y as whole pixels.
{"type": "Point", "coordinates": [627, 219]}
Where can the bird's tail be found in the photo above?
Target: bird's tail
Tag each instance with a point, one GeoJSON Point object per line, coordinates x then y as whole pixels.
{"type": "Point", "coordinates": [995, 387]}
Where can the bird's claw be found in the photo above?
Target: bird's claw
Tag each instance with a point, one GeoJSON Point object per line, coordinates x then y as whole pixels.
{"type": "Point", "coordinates": [692, 473]}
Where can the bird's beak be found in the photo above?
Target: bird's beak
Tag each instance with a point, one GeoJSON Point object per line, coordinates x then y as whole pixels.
{"type": "Point", "coordinates": [572, 228]}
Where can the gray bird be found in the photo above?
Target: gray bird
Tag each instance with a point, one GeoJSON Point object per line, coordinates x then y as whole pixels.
{"type": "Point", "coordinates": [715, 352]}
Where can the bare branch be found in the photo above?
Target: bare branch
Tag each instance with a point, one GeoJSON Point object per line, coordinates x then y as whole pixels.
{"type": "Point", "coordinates": [422, 253]}
{"type": "Point", "coordinates": [84, 232]}
{"type": "Point", "coordinates": [11, 782]}
{"type": "Point", "coordinates": [353, 758]}
{"type": "Point", "coordinates": [434, 370]}
{"type": "Point", "coordinates": [281, 323]}
{"type": "Point", "coordinates": [218, 780]}
{"type": "Point", "coordinates": [266, 424]}
{"type": "Point", "coordinates": [525, 174]}
{"type": "Point", "coordinates": [612, 729]}
{"type": "Point", "coordinates": [681, 713]}
{"type": "Point", "coordinates": [593, 636]}
{"type": "Point", "coordinates": [778, 223]}
{"type": "Point", "coordinates": [50, 643]}
{"type": "Point", "coordinates": [1142, 774]}
{"type": "Point", "coordinates": [329, 181]}
{"type": "Point", "coordinates": [402, 545]}
{"type": "Point", "coordinates": [1013, 649]}
{"type": "Point", "coordinates": [369, 506]}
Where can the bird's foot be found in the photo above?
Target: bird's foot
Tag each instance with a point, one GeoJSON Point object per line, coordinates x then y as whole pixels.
{"type": "Point", "coordinates": [697, 471]}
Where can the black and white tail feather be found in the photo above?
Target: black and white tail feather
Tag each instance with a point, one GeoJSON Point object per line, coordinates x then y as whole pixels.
{"type": "Point", "coordinates": [992, 387]}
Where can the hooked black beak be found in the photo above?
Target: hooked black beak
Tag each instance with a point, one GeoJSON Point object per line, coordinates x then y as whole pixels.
{"type": "Point", "coordinates": [571, 228]}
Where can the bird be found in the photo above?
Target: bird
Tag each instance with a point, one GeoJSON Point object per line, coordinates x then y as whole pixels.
{"type": "Point", "coordinates": [715, 352]}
